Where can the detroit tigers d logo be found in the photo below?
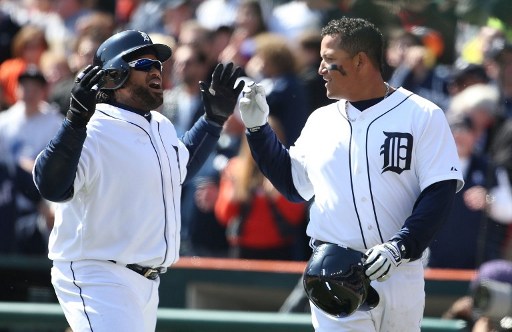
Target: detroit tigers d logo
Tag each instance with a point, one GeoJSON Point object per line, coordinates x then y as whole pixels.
{"type": "Point", "coordinates": [397, 151]}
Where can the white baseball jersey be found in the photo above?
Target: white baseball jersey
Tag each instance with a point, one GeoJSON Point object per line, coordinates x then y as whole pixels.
{"type": "Point", "coordinates": [366, 174]}
{"type": "Point", "coordinates": [126, 202]}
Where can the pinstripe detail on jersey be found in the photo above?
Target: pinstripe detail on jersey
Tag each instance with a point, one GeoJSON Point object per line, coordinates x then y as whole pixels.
{"type": "Point", "coordinates": [177, 248]}
{"type": "Point", "coordinates": [161, 179]}
{"type": "Point", "coordinates": [81, 297]}
{"type": "Point", "coordinates": [368, 168]}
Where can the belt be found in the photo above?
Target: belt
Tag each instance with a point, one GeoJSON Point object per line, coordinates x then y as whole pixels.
{"type": "Point", "coordinates": [315, 243]}
{"type": "Point", "coordinates": [147, 272]}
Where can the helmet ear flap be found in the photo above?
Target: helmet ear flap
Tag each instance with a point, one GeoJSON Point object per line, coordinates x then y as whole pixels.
{"type": "Point", "coordinates": [116, 75]}
{"type": "Point", "coordinates": [335, 281]}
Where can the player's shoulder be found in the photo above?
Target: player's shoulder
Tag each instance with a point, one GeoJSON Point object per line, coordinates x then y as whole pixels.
{"type": "Point", "coordinates": [325, 110]}
{"type": "Point", "coordinates": [158, 116]}
{"type": "Point", "coordinates": [416, 101]}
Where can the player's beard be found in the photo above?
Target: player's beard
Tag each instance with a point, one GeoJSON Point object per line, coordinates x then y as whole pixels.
{"type": "Point", "coordinates": [146, 98]}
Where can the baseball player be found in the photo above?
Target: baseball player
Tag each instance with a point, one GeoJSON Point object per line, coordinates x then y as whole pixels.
{"type": "Point", "coordinates": [381, 165]}
{"type": "Point", "coordinates": [116, 169]}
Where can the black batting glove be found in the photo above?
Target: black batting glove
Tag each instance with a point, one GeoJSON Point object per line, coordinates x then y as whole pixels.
{"type": "Point", "coordinates": [83, 95]}
{"type": "Point", "coordinates": [220, 97]}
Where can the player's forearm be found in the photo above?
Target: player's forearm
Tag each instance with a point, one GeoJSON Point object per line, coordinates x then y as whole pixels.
{"type": "Point", "coordinates": [55, 167]}
{"type": "Point", "coordinates": [430, 211]}
{"type": "Point", "coordinates": [274, 161]}
{"type": "Point", "coordinates": [26, 185]}
{"type": "Point", "coordinates": [200, 141]}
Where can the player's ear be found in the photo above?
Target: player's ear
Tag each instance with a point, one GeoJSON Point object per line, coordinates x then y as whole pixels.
{"type": "Point", "coordinates": [359, 59]}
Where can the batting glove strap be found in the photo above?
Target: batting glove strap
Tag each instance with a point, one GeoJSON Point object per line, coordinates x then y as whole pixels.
{"type": "Point", "coordinates": [383, 259]}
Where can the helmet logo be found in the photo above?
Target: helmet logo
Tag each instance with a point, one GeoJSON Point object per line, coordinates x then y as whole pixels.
{"type": "Point", "coordinates": [145, 36]}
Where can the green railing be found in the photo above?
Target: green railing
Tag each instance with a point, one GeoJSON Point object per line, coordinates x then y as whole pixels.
{"type": "Point", "coordinates": [46, 316]}
{"type": "Point", "coordinates": [201, 294]}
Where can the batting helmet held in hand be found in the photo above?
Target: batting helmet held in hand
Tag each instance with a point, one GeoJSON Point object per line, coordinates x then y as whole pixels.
{"type": "Point", "coordinates": [111, 55]}
{"type": "Point", "coordinates": [335, 281]}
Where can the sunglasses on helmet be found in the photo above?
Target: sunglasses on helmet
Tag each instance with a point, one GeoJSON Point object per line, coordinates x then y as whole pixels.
{"type": "Point", "coordinates": [145, 64]}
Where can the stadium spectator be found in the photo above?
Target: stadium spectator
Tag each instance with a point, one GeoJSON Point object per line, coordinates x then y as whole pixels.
{"type": "Point", "coordinates": [175, 12]}
{"type": "Point", "coordinates": [465, 308]}
{"type": "Point", "coordinates": [25, 129]}
{"type": "Point", "coordinates": [499, 68]}
{"type": "Point", "coordinates": [182, 103]}
{"type": "Point", "coordinates": [479, 237]}
{"type": "Point", "coordinates": [308, 55]}
{"type": "Point", "coordinates": [249, 23]}
{"type": "Point", "coordinates": [260, 223]}
{"type": "Point", "coordinates": [61, 32]}
{"type": "Point", "coordinates": [83, 50]}
{"type": "Point", "coordinates": [167, 79]}
{"type": "Point", "coordinates": [275, 66]}
{"type": "Point", "coordinates": [481, 103]}
{"type": "Point", "coordinates": [464, 75]}
{"type": "Point", "coordinates": [28, 46]}
{"type": "Point", "coordinates": [206, 235]}
{"type": "Point", "coordinates": [420, 70]}
{"type": "Point", "coordinates": [213, 14]}
{"type": "Point", "coordinates": [8, 28]}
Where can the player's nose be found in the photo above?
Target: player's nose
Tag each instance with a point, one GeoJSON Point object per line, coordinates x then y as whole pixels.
{"type": "Point", "coordinates": [322, 69]}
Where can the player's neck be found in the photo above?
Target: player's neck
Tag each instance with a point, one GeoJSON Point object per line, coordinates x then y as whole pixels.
{"type": "Point", "coordinates": [370, 89]}
{"type": "Point", "coordinates": [367, 103]}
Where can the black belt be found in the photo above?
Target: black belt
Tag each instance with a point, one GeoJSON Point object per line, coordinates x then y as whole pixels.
{"type": "Point", "coordinates": [147, 272]}
{"type": "Point", "coordinates": [317, 243]}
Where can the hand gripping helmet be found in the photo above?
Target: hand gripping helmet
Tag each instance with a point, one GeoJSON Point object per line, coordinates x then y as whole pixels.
{"type": "Point", "coordinates": [335, 281]}
{"type": "Point", "coordinates": [111, 55]}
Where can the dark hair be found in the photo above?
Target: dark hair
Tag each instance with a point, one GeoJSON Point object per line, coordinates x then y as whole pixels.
{"type": "Point", "coordinates": [357, 35]}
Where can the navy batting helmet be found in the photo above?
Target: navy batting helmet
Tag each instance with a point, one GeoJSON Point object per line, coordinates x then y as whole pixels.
{"type": "Point", "coordinates": [111, 55]}
{"type": "Point", "coordinates": [335, 281]}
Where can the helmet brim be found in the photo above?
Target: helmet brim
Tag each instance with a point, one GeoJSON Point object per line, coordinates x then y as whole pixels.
{"type": "Point", "coordinates": [371, 301]}
{"type": "Point", "coordinates": [162, 51]}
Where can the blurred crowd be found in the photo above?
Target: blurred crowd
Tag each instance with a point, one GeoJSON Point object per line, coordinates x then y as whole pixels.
{"type": "Point", "coordinates": [458, 54]}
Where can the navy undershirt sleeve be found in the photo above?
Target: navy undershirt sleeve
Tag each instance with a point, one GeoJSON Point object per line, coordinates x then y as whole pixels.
{"type": "Point", "coordinates": [430, 212]}
{"type": "Point", "coordinates": [55, 168]}
{"type": "Point", "coordinates": [200, 141]}
{"type": "Point", "coordinates": [25, 184]}
{"type": "Point", "coordinates": [274, 161]}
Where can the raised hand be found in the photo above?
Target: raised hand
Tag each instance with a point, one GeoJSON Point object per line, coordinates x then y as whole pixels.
{"type": "Point", "coordinates": [253, 106]}
{"type": "Point", "coordinates": [83, 95]}
{"type": "Point", "coordinates": [220, 97]}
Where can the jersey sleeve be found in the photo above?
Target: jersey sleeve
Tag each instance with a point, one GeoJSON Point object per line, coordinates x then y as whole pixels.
{"type": "Point", "coordinates": [436, 153]}
{"type": "Point", "coordinates": [299, 173]}
{"type": "Point", "coordinates": [88, 168]}
{"type": "Point", "coordinates": [299, 165]}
